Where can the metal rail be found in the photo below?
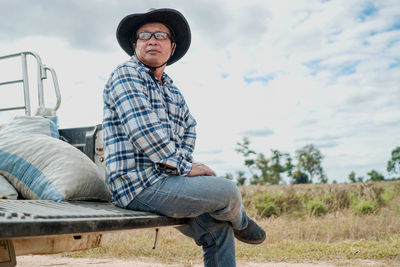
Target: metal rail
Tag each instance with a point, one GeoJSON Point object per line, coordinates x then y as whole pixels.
{"type": "Point", "coordinates": [41, 75]}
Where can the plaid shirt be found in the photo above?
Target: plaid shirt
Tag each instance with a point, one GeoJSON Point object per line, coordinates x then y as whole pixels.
{"type": "Point", "coordinates": [145, 123]}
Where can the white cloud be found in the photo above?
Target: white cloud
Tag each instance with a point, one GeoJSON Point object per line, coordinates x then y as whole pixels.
{"type": "Point", "coordinates": [310, 71]}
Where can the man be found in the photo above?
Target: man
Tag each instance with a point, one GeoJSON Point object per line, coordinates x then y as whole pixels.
{"type": "Point", "coordinates": [150, 136]}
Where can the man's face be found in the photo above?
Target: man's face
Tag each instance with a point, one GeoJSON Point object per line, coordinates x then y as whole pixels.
{"type": "Point", "coordinates": [153, 52]}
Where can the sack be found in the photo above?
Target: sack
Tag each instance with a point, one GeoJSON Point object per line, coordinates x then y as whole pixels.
{"type": "Point", "coordinates": [7, 191]}
{"type": "Point", "coordinates": [27, 125]}
{"type": "Point", "coordinates": [42, 167]}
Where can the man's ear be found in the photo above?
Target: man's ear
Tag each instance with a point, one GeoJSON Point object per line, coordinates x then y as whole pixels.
{"type": "Point", "coordinates": [173, 48]}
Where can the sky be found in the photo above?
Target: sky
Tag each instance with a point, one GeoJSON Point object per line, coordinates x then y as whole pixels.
{"type": "Point", "coordinates": [282, 73]}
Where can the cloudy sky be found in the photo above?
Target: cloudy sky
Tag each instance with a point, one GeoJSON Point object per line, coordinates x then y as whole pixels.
{"type": "Point", "coordinates": [283, 73]}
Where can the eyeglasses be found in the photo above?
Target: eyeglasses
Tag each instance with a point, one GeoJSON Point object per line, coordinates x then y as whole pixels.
{"type": "Point", "coordinates": [157, 35]}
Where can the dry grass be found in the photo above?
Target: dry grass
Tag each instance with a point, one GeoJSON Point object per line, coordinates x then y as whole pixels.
{"type": "Point", "coordinates": [334, 227]}
{"type": "Point", "coordinates": [341, 234]}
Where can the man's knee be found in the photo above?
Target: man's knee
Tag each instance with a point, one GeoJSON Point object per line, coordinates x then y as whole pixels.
{"type": "Point", "coordinates": [233, 190]}
{"type": "Point", "coordinates": [230, 192]}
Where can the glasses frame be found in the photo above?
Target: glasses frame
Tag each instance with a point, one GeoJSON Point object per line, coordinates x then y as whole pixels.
{"type": "Point", "coordinates": [153, 34]}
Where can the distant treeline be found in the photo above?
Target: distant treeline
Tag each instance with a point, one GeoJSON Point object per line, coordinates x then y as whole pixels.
{"type": "Point", "coordinates": [303, 168]}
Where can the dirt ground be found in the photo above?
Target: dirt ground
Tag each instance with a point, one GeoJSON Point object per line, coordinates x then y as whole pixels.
{"type": "Point", "coordinates": [36, 261]}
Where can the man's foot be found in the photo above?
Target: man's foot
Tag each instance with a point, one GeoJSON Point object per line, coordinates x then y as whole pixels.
{"type": "Point", "coordinates": [252, 234]}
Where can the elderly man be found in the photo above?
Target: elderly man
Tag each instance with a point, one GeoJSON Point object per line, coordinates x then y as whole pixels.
{"type": "Point", "coordinates": [150, 136]}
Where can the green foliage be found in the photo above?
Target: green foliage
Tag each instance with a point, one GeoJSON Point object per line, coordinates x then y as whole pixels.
{"type": "Point", "coordinates": [266, 208]}
{"type": "Point", "coordinates": [316, 208]}
{"type": "Point", "coordinates": [366, 207]}
{"type": "Point", "coordinates": [352, 177]}
{"type": "Point", "coordinates": [270, 170]}
{"type": "Point", "coordinates": [261, 164]}
{"type": "Point", "coordinates": [387, 195]}
{"type": "Point", "coordinates": [317, 200]}
{"type": "Point", "coordinates": [243, 148]}
{"type": "Point", "coordinates": [393, 165]}
{"type": "Point", "coordinates": [276, 167]}
{"type": "Point", "coordinates": [309, 160]}
{"type": "Point", "coordinates": [228, 176]}
{"type": "Point", "coordinates": [309, 165]}
{"type": "Point", "coordinates": [300, 178]}
{"type": "Point", "coordinates": [375, 176]}
{"type": "Point", "coordinates": [241, 178]}
{"type": "Point", "coordinates": [264, 170]}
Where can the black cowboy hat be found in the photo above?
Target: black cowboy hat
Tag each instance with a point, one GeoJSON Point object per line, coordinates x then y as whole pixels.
{"type": "Point", "coordinates": [173, 19]}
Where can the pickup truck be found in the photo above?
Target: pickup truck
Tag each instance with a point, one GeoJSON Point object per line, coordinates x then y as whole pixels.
{"type": "Point", "coordinates": [46, 226]}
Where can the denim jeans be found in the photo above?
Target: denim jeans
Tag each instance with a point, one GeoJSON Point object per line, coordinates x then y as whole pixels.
{"type": "Point", "coordinates": [213, 206]}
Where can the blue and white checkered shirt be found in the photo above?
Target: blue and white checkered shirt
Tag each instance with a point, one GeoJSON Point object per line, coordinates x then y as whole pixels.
{"type": "Point", "coordinates": [146, 123]}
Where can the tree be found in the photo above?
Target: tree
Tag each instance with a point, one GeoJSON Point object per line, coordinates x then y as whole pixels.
{"type": "Point", "coordinates": [289, 166]}
{"type": "Point", "coordinates": [309, 160]}
{"type": "Point", "coordinates": [264, 170]}
{"type": "Point", "coordinates": [276, 168]}
{"type": "Point", "coordinates": [262, 165]}
{"type": "Point", "coordinates": [241, 178]}
{"type": "Point", "coordinates": [352, 177]}
{"type": "Point", "coordinates": [299, 178]}
{"type": "Point", "coordinates": [228, 176]}
{"type": "Point", "coordinates": [393, 165]}
{"type": "Point", "coordinates": [375, 176]}
{"type": "Point", "coordinates": [243, 148]}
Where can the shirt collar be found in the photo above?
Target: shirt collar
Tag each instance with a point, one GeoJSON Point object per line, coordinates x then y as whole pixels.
{"type": "Point", "coordinates": [166, 79]}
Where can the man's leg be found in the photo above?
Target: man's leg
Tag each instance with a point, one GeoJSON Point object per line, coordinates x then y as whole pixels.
{"type": "Point", "coordinates": [215, 237]}
{"type": "Point", "coordinates": [213, 204]}
{"type": "Point", "coordinates": [190, 197]}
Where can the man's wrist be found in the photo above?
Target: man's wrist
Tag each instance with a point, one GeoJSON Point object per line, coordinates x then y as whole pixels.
{"type": "Point", "coordinates": [178, 163]}
{"type": "Point", "coordinates": [168, 166]}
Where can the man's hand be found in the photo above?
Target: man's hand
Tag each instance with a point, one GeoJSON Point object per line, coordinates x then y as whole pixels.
{"type": "Point", "coordinates": [199, 169]}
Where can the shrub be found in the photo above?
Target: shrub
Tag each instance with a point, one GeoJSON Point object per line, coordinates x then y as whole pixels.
{"type": "Point", "coordinates": [316, 208]}
{"type": "Point", "coordinates": [317, 200]}
{"type": "Point", "coordinates": [366, 207]}
{"type": "Point", "coordinates": [386, 196]}
{"type": "Point", "coordinates": [266, 209]}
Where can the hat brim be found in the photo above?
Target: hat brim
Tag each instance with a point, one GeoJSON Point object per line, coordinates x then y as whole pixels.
{"type": "Point", "coordinates": [170, 17]}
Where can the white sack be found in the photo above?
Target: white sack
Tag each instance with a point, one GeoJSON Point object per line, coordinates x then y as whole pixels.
{"type": "Point", "coordinates": [28, 125]}
{"type": "Point", "coordinates": [7, 191]}
{"type": "Point", "coordinates": [42, 167]}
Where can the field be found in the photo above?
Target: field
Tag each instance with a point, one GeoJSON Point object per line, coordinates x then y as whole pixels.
{"type": "Point", "coordinates": [335, 223]}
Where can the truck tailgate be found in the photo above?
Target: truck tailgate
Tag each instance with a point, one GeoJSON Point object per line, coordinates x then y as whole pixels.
{"type": "Point", "coordinates": [30, 218]}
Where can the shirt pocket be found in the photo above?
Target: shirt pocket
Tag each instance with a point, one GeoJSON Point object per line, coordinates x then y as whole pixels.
{"type": "Point", "coordinates": [176, 115]}
{"type": "Point", "coordinates": [158, 105]}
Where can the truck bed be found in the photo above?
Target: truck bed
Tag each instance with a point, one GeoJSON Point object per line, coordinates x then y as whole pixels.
{"type": "Point", "coordinates": [47, 227]}
{"type": "Point", "coordinates": [33, 218]}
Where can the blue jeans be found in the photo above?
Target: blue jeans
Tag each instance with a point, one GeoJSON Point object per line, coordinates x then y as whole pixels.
{"type": "Point", "coordinates": [213, 206]}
